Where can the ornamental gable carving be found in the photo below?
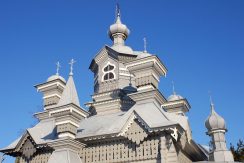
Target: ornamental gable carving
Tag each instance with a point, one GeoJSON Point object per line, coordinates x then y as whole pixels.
{"type": "Point", "coordinates": [40, 156]}
{"type": "Point", "coordinates": [136, 133]}
{"type": "Point", "coordinates": [28, 149]}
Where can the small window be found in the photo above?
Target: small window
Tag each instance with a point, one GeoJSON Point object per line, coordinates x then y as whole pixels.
{"type": "Point", "coordinates": [108, 72]}
{"type": "Point", "coordinates": [111, 75]}
{"type": "Point", "coordinates": [108, 68]}
{"type": "Point", "coordinates": [106, 77]}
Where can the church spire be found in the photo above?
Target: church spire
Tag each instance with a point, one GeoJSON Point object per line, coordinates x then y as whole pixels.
{"type": "Point", "coordinates": [70, 94]}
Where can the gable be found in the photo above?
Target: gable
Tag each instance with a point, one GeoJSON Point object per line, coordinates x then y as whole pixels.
{"type": "Point", "coordinates": [136, 133]}
{"type": "Point", "coordinates": [28, 149]}
{"type": "Point", "coordinates": [25, 138]}
{"type": "Point", "coordinates": [25, 145]}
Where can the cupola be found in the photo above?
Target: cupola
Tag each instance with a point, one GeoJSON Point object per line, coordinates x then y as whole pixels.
{"type": "Point", "coordinates": [118, 33]}
{"type": "Point", "coordinates": [176, 104]}
{"type": "Point", "coordinates": [174, 96]}
{"type": "Point", "coordinates": [214, 121]}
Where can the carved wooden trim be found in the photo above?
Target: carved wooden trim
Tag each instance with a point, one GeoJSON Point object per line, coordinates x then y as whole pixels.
{"type": "Point", "coordinates": [121, 150]}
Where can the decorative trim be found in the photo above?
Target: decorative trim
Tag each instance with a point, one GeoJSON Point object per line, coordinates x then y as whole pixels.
{"type": "Point", "coordinates": [174, 133]}
{"type": "Point", "coordinates": [154, 60]}
{"type": "Point", "coordinates": [145, 87]}
{"type": "Point", "coordinates": [123, 69]}
{"type": "Point", "coordinates": [69, 109]}
{"type": "Point", "coordinates": [128, 124]}
{"type": "Point", "coordinates": [53, 95]}
{"type": "Point", "coordinates": [155, 77]}
{"type": "Point", "coordinates": [67, 121]}
{"type": "Point", "coordinates": [51, 84]}
{"type": "Point", "coordinates": [66, 134]}
{"type": "Point", "coordinates": [123, 74]}
{"type": "Point", "coordinates": [105, 102]}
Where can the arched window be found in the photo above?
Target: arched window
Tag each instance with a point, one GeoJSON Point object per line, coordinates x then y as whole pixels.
{"type": "Point", "coordinates": [108, 72]}
{"type": "Point", "coordinates": [108, 68]}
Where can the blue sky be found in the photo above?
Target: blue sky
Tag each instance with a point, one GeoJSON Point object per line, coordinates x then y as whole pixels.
{"type": "Point", "coordinates": [200, 42]}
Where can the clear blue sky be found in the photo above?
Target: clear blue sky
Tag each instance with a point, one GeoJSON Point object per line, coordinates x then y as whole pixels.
{"type": "Point", "coordinates": [201, 43]}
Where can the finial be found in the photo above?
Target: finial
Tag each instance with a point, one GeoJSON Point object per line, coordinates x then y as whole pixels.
{"type": "Point", "coordinates": [58, 67]}
{"type": "Point", "coordinates": [173, 87]}
{"type": "Point", "coordinates": [117, 14]}
{"type": "Point", "coordinates": [72, 61]}
{"type": "Point", "coordinates": [117, 10]}
{"type": "Point", "coordinates": [145, 45]}
{"type": "Point", "coordinates": [211, 101]}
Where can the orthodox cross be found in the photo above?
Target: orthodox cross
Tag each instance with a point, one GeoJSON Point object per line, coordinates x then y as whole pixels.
{"type": "Point", "coordinates": [210, 97]}
{"type": "Point", "coordinates": [173, 86]}
{"type": "Point", "coordinates": [117, 11]}
{"type": "Point", "coordinates": [71, 66]}
{"type": "Point", "coordinates": [58, 67]}
{"type": "Point", "coordinates": [145, 44]}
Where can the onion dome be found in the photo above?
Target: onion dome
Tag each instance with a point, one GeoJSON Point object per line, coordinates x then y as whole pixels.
{"type": "Point", "coordinates": [118, 29]}
{"type": "Point", "coordinates": [54, 77]}
{"type": "Point", "coordinates": [215, 121]}
{"type": "Point", "coordinates": [118, 33]}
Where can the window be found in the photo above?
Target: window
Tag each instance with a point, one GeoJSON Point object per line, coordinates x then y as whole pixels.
{"type": "Point", "coordinates": [108, 72]}
{"type": "Point", "coordinates": [108, 68]}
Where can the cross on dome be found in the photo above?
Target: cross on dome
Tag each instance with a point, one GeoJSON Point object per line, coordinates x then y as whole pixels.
{"type": "Point", "coordinates": [211, 100]}
{"type": "Point", "coordinates": [145, 45]}
{"type": "Point", "coordinates": [72, 61]}
{"type": "Point", "coordinates": [173, 87]}
{"type": "Point", "coordinates": [56, 76]}
{"type": "Point", "coordinates": [117, 14]}
{"type": "Point", "coordinates": [58, 67]}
